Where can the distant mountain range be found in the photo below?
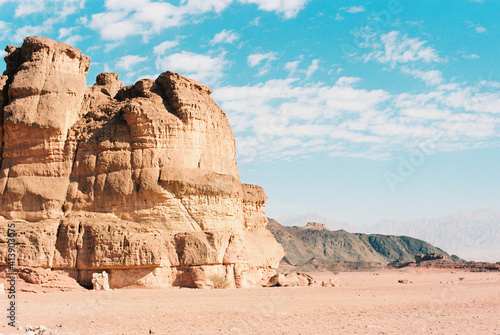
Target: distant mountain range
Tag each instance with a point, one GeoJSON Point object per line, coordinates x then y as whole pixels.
{"type": "Point", "coordinates": [314, 247]}
{"type": "Point", "coordinates": [471, 236]}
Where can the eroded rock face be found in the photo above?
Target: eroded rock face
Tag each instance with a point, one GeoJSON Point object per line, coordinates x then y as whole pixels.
{"type": "Point", "coordinates": [140, 181]}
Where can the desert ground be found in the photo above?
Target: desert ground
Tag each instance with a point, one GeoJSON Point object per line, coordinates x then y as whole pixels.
{"type": "Point", "coordinates": [370, 302]}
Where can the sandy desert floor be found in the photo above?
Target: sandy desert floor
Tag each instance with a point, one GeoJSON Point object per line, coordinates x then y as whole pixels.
{"type": "Point", "coordinates": [435, 302]}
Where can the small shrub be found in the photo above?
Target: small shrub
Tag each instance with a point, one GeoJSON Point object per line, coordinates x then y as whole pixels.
{"type": "Point", "coordinates": [461, 278]}
{"type": "Point", "coordinates": [219, 281]}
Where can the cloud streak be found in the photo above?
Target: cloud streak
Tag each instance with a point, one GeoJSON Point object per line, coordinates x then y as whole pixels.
{"type": "Point", "coordinates": [124, 18]}
{"type": "Point", "coordinates": [283, 119]}
{"type": "Point", "coordinates": [395, 48]}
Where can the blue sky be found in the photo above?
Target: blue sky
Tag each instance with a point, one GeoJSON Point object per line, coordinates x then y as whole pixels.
{"type": "Point", "coordinates": [354, 110]}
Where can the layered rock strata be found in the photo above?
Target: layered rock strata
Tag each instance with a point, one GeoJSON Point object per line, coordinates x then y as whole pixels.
{"type": "Point", "coordinates": [140, 181]}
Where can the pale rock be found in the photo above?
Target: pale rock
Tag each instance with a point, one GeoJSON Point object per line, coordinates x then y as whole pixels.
{"type": "Point", "coordinates": [291, 280]}
{"type": "Point", "coordinates": [100, 281]}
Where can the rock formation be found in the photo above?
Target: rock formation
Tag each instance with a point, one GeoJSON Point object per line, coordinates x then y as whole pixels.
{"type": "Point", "coordinates": [315, 226]}
{"type": "Point", "coordinates": [140, 181]}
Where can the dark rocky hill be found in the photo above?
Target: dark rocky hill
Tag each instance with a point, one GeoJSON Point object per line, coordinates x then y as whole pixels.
{"type": "Point", "coordinates": [311, 248]}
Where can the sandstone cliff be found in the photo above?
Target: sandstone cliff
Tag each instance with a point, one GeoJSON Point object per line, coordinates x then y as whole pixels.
{"type": "Point", "coordinates": [140, 181]}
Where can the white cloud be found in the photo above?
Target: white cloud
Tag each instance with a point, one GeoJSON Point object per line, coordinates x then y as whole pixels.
{"type": "Point", "coordinates": [23, 32]}
{"type": "Point", "coordinates": [73, 40]}
{"type": "Point", "coordinates": [347, 81]}
{"type": "Point", "coordinates": [480, 29]}
{"type": "Point", "coordinates": [204, 6]}
{"type": "Point", "coordinates": [58, 9]}
{"type": "Point", "coordinates": [339, 17]}
{"type": "Point", "coordinates": [477, 28]}
{"type": "Point", "coordinates": [66, 32]}
{"type": "Point", "coordinates": [132, 18]}
{"type": "Point", "coordinates": [40, 16]}
{"type": "Point", "coordinates": [25, 8]}
{"type": "Point", "coordinates": [292, 66]}
{"type": "Point", "coordinates": [225, 36]}
{"type": "Point", "coordinates": [110, 46]}
{"type": "Point", "coordinates": [161, 48]}
{"type": "Point", "coordinates": [433, 77]}
{"type": "Point", "coordinates": [264, 60]}
{"type": "Point", "coordinates": [128, 62]}
{"type": "Point", "coordinates": [394, 48]}
{"type": "Point", "coordinates": [5, 30]}
{"type": "Point", "coordinates": [312, 68]}
{"type": "Point", "coordinates": [283, 118]}
{"type": "Point", "coordinates": [288, 8]}
{"type": "Point", "coordinates": [471, 56]}
{"type": "Point", "coordinates": [148, 17]}
{"type": "Point", "coordinates": [255, 59]}
{"type": "Point", "coordinates": [353, 9]}
{"type": "Point", "coordinates": [202, 68]}
{"type": "Point", "coordinates": [68, 36]}
{"type": "Point", "coordinates": [255, 22]}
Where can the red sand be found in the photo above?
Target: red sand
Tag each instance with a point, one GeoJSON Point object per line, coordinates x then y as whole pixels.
{"type": "Point", "coordinates": [435, 302]}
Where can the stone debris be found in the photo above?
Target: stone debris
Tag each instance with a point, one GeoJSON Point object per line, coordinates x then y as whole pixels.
{"type": "Point", "coordinates": [42, 330]}
{"type": "Point", "coordinates": [100, 281]}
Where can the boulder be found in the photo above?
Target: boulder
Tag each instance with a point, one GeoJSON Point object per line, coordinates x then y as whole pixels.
{"type": "Point", "coordinates": [100, 281]}
{"type": "Point", "coordinates": [291, 280]}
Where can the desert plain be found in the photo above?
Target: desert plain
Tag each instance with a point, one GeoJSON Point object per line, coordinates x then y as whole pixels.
{"type": "Point", "coordinates": [434, 301]}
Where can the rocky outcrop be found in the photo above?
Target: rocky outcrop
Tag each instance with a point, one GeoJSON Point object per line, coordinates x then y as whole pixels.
{"type": "Point", "coordinates": [313, 248]}
{"type": "Point", "coordinates": [428, 257]}
{"type": "Point", "coordinates": [315, 226]}
{"type": "Point", "coordinates": [291, 280]}
{"type": "Point", "coordinates": [140, 181]}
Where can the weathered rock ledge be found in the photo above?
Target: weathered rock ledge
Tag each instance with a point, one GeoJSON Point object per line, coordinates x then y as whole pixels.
{"type": "Point", "coordinates": [140, 181]}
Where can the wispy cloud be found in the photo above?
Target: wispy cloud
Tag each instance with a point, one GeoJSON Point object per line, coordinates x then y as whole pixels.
{"type": "Point", "coordinates": [256, 59]}
{"type": "Point", "coordinates": [225, 36]}
{"type": "Point", "coordinates": [432, 77]}
{"type": "Point", "coordinates": [287, 8]}
{"type": "Point", "coordinates": [477, 28]}
{"type": "Point", "coordinates": [57, 8]}
{"type": "Point", "coordinates": [312, 68]}
{"type": "Point", "coordinates": [24, 31]}
{"type": "Point", "coordinates": [480, 29]}
{"type": "Point", "coordinates": [128, 62]}
{"type": "Point", "coordinates": [393, 48]}
{"type": "Point", "coordinates": [353, 9]}
{"type": "Point", "coordinates": [148, 17]}
{"type": "Point", "coordinates": [203, 68]}
{"type": "Point", "coordinates": [471, 56]}
{"type": "Point", "coordinates": [161, 48]}
{"type": "Point", "coordinates": [283, 119]}
{"type": "Point", "coordinates": [291, 67]}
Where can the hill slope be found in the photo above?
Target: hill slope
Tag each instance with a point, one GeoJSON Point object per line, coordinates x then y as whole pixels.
{"type": "Point", "coordinates": [472, 236]}
{"type": "Point", "coordinates": [310, 249]}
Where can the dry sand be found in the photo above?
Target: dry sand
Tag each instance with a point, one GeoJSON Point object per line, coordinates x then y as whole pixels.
{"type": "Point", "coordinates": [435, 302]}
